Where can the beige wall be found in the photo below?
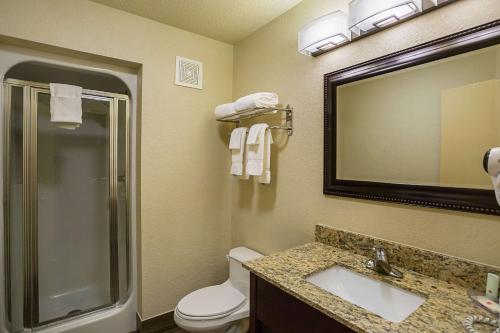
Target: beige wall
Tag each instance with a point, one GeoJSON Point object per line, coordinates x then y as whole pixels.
{"type": "Point", "coordinates": [184, 235]}
{"type": "Point", "coordinates": [283, 214]}
{"type": "Point", "coordinates": [470, 125]}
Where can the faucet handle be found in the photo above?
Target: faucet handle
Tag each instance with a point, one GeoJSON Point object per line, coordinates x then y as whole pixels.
{"type": "Point", "coordinates": [380, 253]}
{"type": "Point", "coordinates": [377, 250]}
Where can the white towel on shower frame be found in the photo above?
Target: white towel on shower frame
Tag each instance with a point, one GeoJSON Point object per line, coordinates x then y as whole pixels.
{"type": "Point", "coordinates": [66, 105]}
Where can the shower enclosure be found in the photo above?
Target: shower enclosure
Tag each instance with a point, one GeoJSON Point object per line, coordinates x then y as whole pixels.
{"type": "Point", "coordinates": [66, 207]}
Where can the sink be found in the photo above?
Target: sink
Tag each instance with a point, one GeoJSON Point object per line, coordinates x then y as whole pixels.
{"type": "Point", "coordinates": [389, 302]}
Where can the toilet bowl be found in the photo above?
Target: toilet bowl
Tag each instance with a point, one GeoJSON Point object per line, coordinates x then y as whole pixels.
{"type": "Point", "coordinates": [219, 308]}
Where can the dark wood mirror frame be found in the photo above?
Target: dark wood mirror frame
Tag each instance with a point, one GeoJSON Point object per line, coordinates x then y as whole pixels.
{"type": "Point", "coordinates": [463, 199]}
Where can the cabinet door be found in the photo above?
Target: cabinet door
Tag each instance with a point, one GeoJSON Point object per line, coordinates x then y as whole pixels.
{"type": "Point", "coordinates": [275, 311]}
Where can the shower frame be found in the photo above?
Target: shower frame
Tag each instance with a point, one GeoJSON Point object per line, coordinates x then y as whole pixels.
{"type": "Point", "coordinates": [29, 200]}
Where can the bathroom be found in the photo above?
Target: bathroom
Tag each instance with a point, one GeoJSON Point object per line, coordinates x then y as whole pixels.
{"type": "Point", "coordinates": [188, 221]}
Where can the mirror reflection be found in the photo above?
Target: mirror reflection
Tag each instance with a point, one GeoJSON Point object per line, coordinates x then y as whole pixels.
{"type": "Point", "coordinates": [426, 125]}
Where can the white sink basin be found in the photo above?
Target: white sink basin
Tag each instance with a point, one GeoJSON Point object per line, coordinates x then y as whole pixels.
{"type": "Point", "coordinates": [389, 302]}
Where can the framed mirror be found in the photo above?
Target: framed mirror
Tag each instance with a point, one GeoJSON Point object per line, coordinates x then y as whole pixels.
{"type": "Point", "coordinates": [413, 126]}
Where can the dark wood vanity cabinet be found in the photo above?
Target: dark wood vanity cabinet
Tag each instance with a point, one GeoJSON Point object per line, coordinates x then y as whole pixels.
{"type": "Point", "coordinates": [275, 311]}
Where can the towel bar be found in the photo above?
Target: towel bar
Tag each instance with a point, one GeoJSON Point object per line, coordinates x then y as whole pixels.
{"type": "Point", "coordinates": [287, 122]}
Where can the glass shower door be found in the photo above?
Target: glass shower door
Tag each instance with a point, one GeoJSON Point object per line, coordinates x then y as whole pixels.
{"type": "Point", "coordinates": [66, 216]}
{"type": "Point", "coordinates": [13, 206]}
{"type": "Point", "coordinates": [73, 216]}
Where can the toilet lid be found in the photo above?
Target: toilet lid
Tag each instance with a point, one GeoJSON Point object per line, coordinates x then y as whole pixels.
{"type": "Point", "coordinates": [214, 301]}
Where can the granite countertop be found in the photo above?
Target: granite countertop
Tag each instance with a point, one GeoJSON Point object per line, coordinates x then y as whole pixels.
{"type": "Point", "coordinates": [446, 305]}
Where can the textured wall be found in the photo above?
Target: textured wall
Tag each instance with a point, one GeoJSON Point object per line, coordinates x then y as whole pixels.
{"type": "Point", "coordinates": [184, 235]}
{"type": "Point", "coordinates": [283, 214]}
{"type": "Point", "coordinates": [208, 18]}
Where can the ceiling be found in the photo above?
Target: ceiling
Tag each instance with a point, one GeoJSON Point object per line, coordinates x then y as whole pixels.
{"type": "Point", "coordinates": [226, 20]}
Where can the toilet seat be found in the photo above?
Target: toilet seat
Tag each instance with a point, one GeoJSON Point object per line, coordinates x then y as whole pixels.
{"type": "Point", "coordinates": [217, 325]}
{"type": "Point", "coordinates": [211, 303]}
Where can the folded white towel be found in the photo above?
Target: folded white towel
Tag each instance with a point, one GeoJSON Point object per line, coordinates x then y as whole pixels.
{"type": "Point", "coordinates": [238, 156]}
{"type": "Point", "coordinates": [259, 152]}
{"type": "Point", "coordinates": [65, 105]}
{"type": "Point", "coordinates": [224, 110]}
{"type": "Point", "coordinates": [257, 100]}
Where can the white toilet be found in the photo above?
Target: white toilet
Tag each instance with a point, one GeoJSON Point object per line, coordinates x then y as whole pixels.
{"type": "Point", "coordinates": [220, 308]}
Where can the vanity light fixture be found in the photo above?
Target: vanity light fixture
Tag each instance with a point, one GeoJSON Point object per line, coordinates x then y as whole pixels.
{"type": "Point", "coordinates": [365, 17]}
{"type": "Point", "coordinates": [368, 15]}
{"type": "Point", "coordinates": [324, 33]}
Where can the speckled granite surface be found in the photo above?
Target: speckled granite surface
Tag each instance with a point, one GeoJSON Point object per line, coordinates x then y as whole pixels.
{"type": "Point", "coordinates": [445, 307]}
{"type": "Point", "coordinates": [468, 274]}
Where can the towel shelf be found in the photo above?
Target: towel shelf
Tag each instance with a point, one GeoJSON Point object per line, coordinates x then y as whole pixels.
{"type": "Point", "coordinates": [287, 122]}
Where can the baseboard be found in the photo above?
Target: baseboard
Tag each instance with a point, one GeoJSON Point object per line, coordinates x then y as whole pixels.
{"type": "Point", "coordinates": [163, 323]}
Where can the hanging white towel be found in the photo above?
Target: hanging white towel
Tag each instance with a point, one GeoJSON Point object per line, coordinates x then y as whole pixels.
{"type": "Point", "coordinates": [238, 156]}
{"type": "Point", "coordinates": [259, 153]}
{"type": "Point", "coordinates": [265, 178]}
{"type": "Point", "coordinates": [65, 105]}
{"type": "Point", "coordinates": [224, 110]}
{"type": "Point", "coordinates": [257, 100]}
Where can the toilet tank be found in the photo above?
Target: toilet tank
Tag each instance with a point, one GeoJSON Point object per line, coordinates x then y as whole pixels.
{"type": "Point", "coordinates": [238, 275]}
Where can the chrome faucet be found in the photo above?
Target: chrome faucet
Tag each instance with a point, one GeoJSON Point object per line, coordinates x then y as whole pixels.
{"type": "Point", "coordinates": [380, 263]}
